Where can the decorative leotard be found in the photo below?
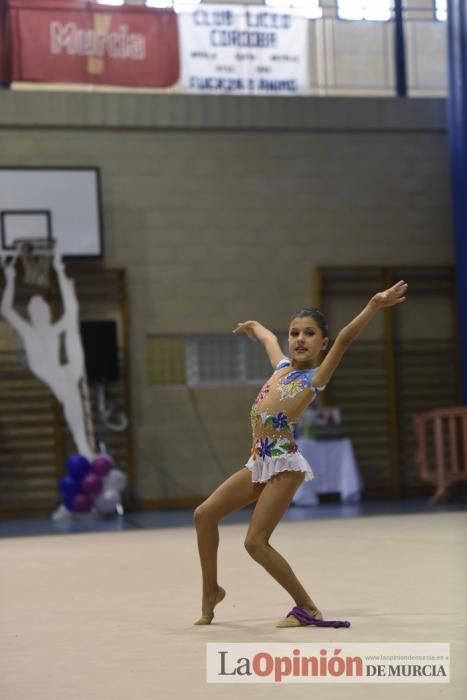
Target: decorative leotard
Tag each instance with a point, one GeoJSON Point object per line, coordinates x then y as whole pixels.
{"type": "Point", "coordinates": [274, 413]}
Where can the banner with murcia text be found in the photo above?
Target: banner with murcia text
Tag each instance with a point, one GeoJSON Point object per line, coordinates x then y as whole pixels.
{"type": "Point", "coordinates": [243, 49]}
{"type": "Point", "coordinates": [73, 41]}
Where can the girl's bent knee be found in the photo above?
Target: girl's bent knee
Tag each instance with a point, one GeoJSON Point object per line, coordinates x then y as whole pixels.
{"type": "Point", "coordinates": [254, 547]}
{"type": "Point", "coordinates": [202, 515]}
{"type": "Point", "coordinates": [198, 515]}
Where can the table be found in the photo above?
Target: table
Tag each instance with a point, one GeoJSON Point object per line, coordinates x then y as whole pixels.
{"type": "Point", "coordinates": [335, 469]}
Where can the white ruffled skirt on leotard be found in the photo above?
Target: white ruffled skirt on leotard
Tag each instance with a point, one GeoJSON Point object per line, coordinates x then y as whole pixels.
{"type": "Point", "coordinates": [263, 468]}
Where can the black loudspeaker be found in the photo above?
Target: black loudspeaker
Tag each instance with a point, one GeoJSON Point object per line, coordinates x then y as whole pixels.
{"type": "Point", "coordinates": [100, 350]}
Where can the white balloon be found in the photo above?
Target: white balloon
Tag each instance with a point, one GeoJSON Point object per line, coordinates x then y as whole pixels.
{"type": "Point", "coordinates": [107, 501]}
{"type": "Point", "coordinates": [115, 480]}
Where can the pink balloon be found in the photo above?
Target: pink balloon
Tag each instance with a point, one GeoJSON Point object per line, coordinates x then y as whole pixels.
{"type": "Point", "coordinates": [102, 465]}
{"type": "Point", "coordinates": [82, 503]}
{"type": "Point", "coordinates": [92, 483]}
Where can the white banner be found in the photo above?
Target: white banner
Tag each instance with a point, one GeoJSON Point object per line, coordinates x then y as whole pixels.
{"type": "Point", "coordinates": [323, 662]}
{"type": "Point", "coordinates": [243, 49]}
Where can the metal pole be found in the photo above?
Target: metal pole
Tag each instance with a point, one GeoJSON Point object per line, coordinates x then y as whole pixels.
{"type": "Point", "coordinates": [401, 67]}
{"type": "Point", "coordinates": [457, 118]}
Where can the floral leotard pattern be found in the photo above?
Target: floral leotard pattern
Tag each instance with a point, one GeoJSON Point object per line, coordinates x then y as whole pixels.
{"type": "Point", "coordinates": [274, 413]}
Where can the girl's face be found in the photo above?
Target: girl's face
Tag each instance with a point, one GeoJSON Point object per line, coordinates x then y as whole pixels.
{"type": "Point", "coordinates": [306, 341]}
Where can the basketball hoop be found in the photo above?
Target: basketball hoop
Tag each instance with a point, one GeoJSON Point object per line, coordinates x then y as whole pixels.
{"type": "Point", "coordinates": [36, 255]}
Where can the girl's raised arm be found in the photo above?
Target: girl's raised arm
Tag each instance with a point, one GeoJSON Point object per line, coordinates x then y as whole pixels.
{"type": "Point", "coordinates": [256, 331]}
{"type": "Point", "coordinates": [390, 297]}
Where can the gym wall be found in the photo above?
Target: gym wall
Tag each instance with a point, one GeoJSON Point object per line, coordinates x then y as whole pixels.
{"type": "Point", "coordinates": [219, 209]}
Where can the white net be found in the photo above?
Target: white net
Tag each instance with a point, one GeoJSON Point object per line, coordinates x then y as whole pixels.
{"type": "Point", "coordinates": [36, 256]}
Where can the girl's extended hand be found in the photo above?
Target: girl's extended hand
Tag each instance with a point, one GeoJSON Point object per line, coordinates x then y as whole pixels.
{"type": "Point", "coordinates": [247, 327]}
{"type": "Point", "coordinates": [390, 297]}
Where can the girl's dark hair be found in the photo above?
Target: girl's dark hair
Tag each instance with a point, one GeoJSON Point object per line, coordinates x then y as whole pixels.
{"type": "Point", "coordinates": [316, 315]}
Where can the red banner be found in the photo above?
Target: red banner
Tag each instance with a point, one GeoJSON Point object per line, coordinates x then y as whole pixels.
{"type": "Point", "coordinates": [70, 41]}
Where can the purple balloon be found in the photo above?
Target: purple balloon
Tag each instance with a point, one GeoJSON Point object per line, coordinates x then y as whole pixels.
{"type": "Point", "coordinates": [82, 503]}
{"type": "Point", "coordinates": [91, 483]}
{"type": "Point", "coordinates": [102, 465]}
{"type": "Point", "coordinates": [78, 466]}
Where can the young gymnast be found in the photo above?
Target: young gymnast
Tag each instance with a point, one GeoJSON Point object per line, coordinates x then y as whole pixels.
{"type": "Point", "coordinates": [276, 468]}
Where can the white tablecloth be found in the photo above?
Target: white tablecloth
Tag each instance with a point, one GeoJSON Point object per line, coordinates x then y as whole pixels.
{"type": "Point", "coordinates": [333, 464]}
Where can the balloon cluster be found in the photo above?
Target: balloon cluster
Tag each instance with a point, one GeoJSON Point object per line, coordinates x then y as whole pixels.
{"type": "Point", "coordinates": [91, 485]}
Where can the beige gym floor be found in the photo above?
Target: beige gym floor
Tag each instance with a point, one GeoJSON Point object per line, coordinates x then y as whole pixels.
{"type": "Point", "coordinates": [108, 616]}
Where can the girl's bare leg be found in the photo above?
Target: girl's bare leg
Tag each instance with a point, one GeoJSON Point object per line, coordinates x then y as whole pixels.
{"type": "Point", "coordinates": [235, 493]}
{"type": "Point", "coordinates": [271, 506]}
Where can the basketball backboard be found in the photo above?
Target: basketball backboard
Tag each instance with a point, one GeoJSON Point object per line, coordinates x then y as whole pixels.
{"type": "Point", "coordinates": [54, 203]}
